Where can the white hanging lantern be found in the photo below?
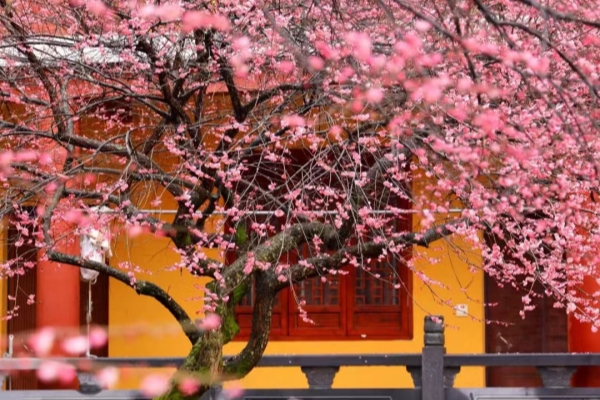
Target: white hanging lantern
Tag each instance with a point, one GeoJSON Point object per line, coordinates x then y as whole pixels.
{"type": "Point", "coordinates": [95, 246]}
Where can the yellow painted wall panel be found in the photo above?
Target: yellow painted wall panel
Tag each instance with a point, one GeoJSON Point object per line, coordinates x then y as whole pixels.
{"type": "Point", "coordinates": [160, 336]}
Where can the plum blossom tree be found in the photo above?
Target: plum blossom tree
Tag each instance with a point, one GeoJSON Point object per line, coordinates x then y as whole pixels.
{"type": "Point", "coordinates": [303, 124]}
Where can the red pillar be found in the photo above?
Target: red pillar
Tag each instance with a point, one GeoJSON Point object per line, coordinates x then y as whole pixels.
{"type": "Point", "coordinates": [58, 294]}
{"type": "Point", "coordinates": [57, 283]}
{"type": "Point", "coordinates": [58, 288]}
{"type": "Point", "coordinates": [583, 340]}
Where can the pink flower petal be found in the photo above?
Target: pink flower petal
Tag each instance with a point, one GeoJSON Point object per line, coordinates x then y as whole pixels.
{"type": "Point", "coordinates": [316, 63]}
{"type": "Point", "coordinates": [188, 386]}
{"type": "Point", "coordinates": [42, 341]}
{"type": "Point", "coordinates": [52, 371]}
{"type": "Point", "coordinates": [168, 12]}
{"type": "Point", "coordinates": [155, 385]}
{"type": "Point", "coordinates": [234, 391]}
{"type": "Point", "coordinates": [422, 26]}
{"type": "Point", "coordinates": [108, 377]}
{"type": "Point", "coordinates": [98, 337]}
{"type": "Point", "coordinates": [24, 156]}
{"type": "Point", "coordinates": [75, 345]}
{"type": "Point", "coordinates": [97, 7]}
{"type": "Point", "coordinates": [210, 322]}
{"type": "Point", "coordinates": [135, 231]}
{"type": "Point", "coordinates": [147, 12]}
{"type": "Point", "coordinates": [374, 95]}
{"type": "Point", "coordinates": [293, 121]}
{"type": "Point", "coordinates": [48, 371]}
{"type": "Point", "coordinates": [192, 20]}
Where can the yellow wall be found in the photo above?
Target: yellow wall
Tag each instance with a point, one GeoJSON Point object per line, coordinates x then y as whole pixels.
{"type": "Point", "coordinates": [157, 335]}
{"type": "Point", "coordinates": [139, 326]}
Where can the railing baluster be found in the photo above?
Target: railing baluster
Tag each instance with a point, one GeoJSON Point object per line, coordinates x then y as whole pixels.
{"type": "Point", "coordinates": [450, 376]}
{"type": "Point", "coordinates": [320, 377]}
{"type": "Point", "coordinates": [432, 363]}
{"type": "Point", "coordinates": [416, 373]}
{"type": "Point", "coordinates": [88, 384]}
{"type": "Point", "coordinates": [555, 377]}
{"type": "Point", "coordinates": [215, 391]}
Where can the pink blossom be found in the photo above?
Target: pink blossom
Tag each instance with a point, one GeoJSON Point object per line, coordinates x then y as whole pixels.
{"type": "Point", "coordinates": [98, 337]}
{"type": "Point", "coordinates": [293, 121]}
{"type": "Point", "coordinates": [489, 121]}
{"type": "Point", "coordinates": [192, 20]}
{"type": "Point", "coordinates": [590, 40]}
{"type": "Point", "coordinates": [242, 43]}
{"type": "Point", "coordinates": [233, 391]}
{"type": "Point", "coordinates": [25, 156]}
{"type": "Point", "coordinates": [73, 216]}
{"type": "Point", "coordinates": [89, 179]}
{"type": "Point", "coordinates": [52, 371]}
{"type": "Point", "coordinates": [45, 159]}
{"type": "Point", "coordinates": [135, 231]}
{"type": "Point", "coordinates": [325, 50]}
{"type": "Point", "coordinates": [210, 322]}
{"type": "Point", "coordinates": [6, 157]}
{"type": "Point", "coordinates": [285, 67]}
{"type": "Point", "coordinates": [97, 7]}
{"type": "Point", "coordinates": [361, 44]}
{"type": "Point", "coordinates": [147, 11]}
{"type": "Point", "coordinates": [51, 187]}
{"type": "Point", "coordinates": [316, 63]}
{"type": "Point", "coordinates": [459, 114]}
{"type": "Point", "coordinates": [537, 65]}
{"type": "Point", "coordinates": [75, 345]}
{"type": "Point", "coordinates": [422, 26]}
{"type": "Point", "coordinates": [42, 341]}
{"type": "Point", "coordinates": [108, 377]}
{"type": "Point", "coordinates": [374, 95]}
{"type": "Point", "coordinates": [154, 385]}
{"type": "Point", "coordinates": [188, 385]}
{"type": "Point", "coordinates": [168, 11]}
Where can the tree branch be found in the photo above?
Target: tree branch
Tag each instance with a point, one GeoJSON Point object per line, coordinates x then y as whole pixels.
{"type": "Point", "coordinates": [234, 95]}
{"type": "Point", "coordinates": [132, 212]}
{"type": "Point", "coordinates": [279, 244]}
{"type": "Point", "coordinates": [261, 98]}
{"type": "Point", "coordinates": [242, 363]}
{"type": "Point", "coordinates": [143, 288]}
{"type": "Point", "coordinates": [324, 262]}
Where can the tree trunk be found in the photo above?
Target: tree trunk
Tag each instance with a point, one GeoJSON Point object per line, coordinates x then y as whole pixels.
{"type": "Point", "coordinates": [204, 364]}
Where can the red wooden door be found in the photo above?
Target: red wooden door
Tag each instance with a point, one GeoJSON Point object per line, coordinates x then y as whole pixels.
{"type": "Point", "coordinates": [543, 330]}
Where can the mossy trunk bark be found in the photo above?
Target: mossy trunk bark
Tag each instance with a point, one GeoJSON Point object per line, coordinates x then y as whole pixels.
{"type": "Point", "coordinates": [204, 364]}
